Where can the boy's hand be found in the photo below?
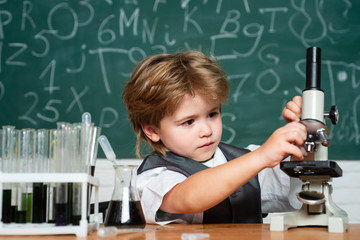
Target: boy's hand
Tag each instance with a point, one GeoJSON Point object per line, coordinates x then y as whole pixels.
{"type": "Point", "coordinates": [292, 110]}
{"type": "Point", "coordinates": [283, 142]}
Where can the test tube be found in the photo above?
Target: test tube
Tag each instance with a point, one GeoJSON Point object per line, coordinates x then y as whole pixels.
{"type": "Point", "coordinates": [1, 134]}
{"type": "Point", "coordinates": [86, 137]}
{"type": "Point", "coordinates": [8, 158]}
{"type": "Point", "coordinates": [83, 162]}
{"type": "Point", "coordinates": [40, 166]}
{"type": "Point", "coordinates": [93, 154]}
{"type": "Point", "coordinates": [73, 149]}
{"type": "Point", "coordinates": [89, 138]}
{"type": "Point", "coordinates": [61, 151]}
{"type": "Point", "coordinates": [26, 147]}
{"type": "Point", "coordinates": [10, 134]}
{"type": "Point", "coordinates": [53, 166]}
{"type": "Point", "coordinates": [8, 154]}
{"type": "Point", "coordinates": [94, 148]}
{"type": "Point", "coordinates": [61, 213]}
{"type": "Point", "coordinates": [6, 201]}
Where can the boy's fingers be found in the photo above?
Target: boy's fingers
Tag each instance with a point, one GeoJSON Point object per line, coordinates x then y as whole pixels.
{"type": "Point", "coordinates": [298, 136]}
{"type": "Point", "coordinates": [304, 152]}
{"type": "Point", "coordinates": [298, 101]}
{"type": "Point", "coordinates": [292, 110]}
{"type": "Point", "coordinates": [298, 139]}
{"type": "Point", "coordinates": [299, 127]}
{"type": "Point", "coordinates": [295, 132]}
{"type": "Point", "coordinates": [294, 107]}
{"type": "Point", "coordinates": [297, 152]}
{"type": "Point", "coordinates": [290, 115]}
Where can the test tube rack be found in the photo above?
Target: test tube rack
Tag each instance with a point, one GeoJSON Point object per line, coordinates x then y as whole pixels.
{"type": "Point", "coordinates": [82, 230]}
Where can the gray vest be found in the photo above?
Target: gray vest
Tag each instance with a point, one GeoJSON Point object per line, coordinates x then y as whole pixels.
{"type": "Point", "coordinates": [242, 206]}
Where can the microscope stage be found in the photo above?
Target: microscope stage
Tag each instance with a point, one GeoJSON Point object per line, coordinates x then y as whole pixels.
{"type": "Point", "coordinates": [311, 168]}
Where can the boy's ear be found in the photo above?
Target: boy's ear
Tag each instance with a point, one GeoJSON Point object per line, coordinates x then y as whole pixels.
{"type": "Point", "coordinates": [151, 132]}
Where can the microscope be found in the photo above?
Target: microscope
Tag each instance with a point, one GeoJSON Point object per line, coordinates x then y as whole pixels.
{"type": "Point", "coordinates": [315, 171]}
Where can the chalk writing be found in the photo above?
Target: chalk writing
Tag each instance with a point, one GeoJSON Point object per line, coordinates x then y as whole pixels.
{"type": "Point", "coordinates": [61, 58]}
{"type": "Point", "coordinates": [45, 42]}
{"type": "Point", "coordinates": [26, 115]}
{"type": "Point", "coordinates": [20, 48]}
{"type": "Point", "coordinates": [2, 90]}
{"type": "Point", "coordinates": [50, 68]}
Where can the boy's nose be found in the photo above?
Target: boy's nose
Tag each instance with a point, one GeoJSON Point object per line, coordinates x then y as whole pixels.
{"type": "Point", "coordinates": [206, 130]}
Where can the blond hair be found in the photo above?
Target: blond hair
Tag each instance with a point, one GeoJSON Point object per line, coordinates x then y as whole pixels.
{"type": "Point", "coordinates": [159, 83]}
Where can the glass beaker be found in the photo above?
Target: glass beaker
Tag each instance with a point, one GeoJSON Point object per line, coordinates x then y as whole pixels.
{"type": "Point", "coordinates": [124, 209]}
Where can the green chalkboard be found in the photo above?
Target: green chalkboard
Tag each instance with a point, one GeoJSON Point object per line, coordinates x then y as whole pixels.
{"type": "Point", "coordinates": [59, 59]}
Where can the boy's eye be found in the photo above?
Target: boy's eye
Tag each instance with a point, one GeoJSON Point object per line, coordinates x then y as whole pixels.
{"type": "Point", "coordinates": [213, 114]}
{"type": "Point", "coordinates": [188, 122]}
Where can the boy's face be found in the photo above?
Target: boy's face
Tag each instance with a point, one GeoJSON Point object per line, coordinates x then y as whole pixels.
{"type": "Point", "coordinates": [193, 130]}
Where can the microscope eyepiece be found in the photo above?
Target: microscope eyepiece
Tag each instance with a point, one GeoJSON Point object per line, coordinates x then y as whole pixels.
{"type": "Point", "coordinates": [313, 68]}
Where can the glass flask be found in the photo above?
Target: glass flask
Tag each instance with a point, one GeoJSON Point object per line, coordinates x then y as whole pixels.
{"type": "Point", "coordinates": [124, 209]}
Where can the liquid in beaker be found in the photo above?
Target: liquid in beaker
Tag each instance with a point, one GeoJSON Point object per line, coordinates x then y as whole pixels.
{"type": "Point", "coordinates": [124, 209]}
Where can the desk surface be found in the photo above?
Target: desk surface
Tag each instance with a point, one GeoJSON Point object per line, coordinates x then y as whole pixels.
{"type": "Point", "coordinates": [218, 231]}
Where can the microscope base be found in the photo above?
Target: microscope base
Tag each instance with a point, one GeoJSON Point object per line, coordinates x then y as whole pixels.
{"type": "Point", "coordinates": [336, 223]}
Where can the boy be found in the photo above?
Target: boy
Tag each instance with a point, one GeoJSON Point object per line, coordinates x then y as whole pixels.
{"type": "Point", "coordinates": [174, 104]}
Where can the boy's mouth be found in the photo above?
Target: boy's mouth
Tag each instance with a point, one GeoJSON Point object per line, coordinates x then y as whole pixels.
{"type": "Point", "coordinates": [207, 144]}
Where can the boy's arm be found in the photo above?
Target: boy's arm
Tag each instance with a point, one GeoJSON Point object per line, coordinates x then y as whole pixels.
{"type": "Point", "coordinates": [207, 188]}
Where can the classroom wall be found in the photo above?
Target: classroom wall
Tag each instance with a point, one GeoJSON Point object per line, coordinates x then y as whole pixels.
{"type": "Point", "coordinates": [346, 192]}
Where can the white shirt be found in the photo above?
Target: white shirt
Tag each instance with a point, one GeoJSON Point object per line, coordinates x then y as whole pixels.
{"type": "Point", "coordinates": [277, 191]}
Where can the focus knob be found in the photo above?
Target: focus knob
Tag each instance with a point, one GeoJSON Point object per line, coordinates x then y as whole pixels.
{"type": "Point", "coordinates": [333, 115]}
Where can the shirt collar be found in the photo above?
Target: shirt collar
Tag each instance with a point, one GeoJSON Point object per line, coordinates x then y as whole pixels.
{"type": "Point", "coordinates": [216, 160]}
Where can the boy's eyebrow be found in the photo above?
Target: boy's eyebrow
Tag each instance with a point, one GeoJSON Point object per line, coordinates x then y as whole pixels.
{"type": "Point", "coordinates": [185, 118]}
{"type": "Point", "coordinates": [215, 108]}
